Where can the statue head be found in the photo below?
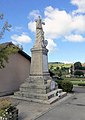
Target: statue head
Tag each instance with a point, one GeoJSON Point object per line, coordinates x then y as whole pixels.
{"type": "Point", "coordinates": [39, 23]}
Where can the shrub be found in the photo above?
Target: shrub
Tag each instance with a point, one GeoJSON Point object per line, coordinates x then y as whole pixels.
{"type": "Point", "coordinates": [7, 110]}
{"type": "Point", "coordinates": [4, 103]}
{"type": "Point", "coordinates": [81, 84]}
{"type": "Point", "coordinates": [78, 73]}
{"type": "Point", "coordinates": [67, 86]}
{"type": "Point", "coordinates": [59, 82]}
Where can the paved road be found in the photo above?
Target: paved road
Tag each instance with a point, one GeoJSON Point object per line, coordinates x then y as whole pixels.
{"type": "Point", "coordinates": [77, 89]}
{"type": "Point", "coordinates": [71, 109]}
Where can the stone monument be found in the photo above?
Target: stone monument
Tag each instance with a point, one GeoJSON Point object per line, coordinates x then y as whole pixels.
{"type": "Point", "coordinates": [38, 86]}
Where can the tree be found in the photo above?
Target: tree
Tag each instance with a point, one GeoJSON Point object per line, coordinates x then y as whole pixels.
{"type": "Point", "coordinates": [51, 67]}
{"type": "Point", "coordinates": [59, 73]}
{"type": "Point", "coordinates": [5, 27]}
{"type": "Point", "coordinates": [78, 73]}
{"type": "Point", "coordinates": [77, 66]}
{"type": "Point", "coordinates": [72, 69]}
{"type": "Point", "coordinates": [5, 49]}
{"type": "Point", "coordinates": [51, 73]}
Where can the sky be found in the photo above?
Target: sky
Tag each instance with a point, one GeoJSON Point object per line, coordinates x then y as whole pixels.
{"type": "Point", "coordinates": [64, 26]}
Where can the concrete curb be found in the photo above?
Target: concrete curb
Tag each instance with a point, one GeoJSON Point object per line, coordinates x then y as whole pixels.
{"type": "Point", "coordinates": [53, 106]}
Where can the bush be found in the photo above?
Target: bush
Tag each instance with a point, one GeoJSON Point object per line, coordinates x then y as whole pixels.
{"type": "Point", "coordinates": [78, 73]}
{"type": "Point", "coordinates": [67, 86]}
{"type": "Point", "coordinates": [4, 103]}
{"type": "Point", "coordinates": [7, 110]}
{"type": "Point", "coordinates": [81, 84]}
{"type": "Point", "coordinates": [59, 82]}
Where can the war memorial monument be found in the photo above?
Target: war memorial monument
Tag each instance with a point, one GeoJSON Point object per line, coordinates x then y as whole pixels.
{"type": "Point", "coordinates": [39, 86]}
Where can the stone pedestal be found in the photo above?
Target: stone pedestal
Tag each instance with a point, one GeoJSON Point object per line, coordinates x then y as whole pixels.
{"type": "Point", "coordinates": [39, 62]}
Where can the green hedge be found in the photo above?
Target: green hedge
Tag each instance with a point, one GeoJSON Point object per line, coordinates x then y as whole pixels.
{"type": "Point", "coordinates": [65, 85]}
{"type": "Point", "coordinates": [59, 82]}
{"type": "Point", "coordinates": [81, 84]}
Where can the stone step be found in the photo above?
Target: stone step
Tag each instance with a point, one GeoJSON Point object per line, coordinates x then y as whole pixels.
{"type": "Point", "coordinates": [42, 96]}
{"type": "Point", "coordinates": [53, 93]}
{"type": "Point", "coordinates": [34, 90]}
{"type": "Point", "coordinates": [56, 98]}
{"type": "Point", "coordinates": [32, 95]}
{"type": "Point", "coordinates": [32, 86]}
{"type": "Point", "coordinates": [38, 90]}
{"type": "Point", "coordinates": [50, 101]}
{"type": "Point", "coordinates": [30, 99]}
{"type": "Point", "coordinates": [27, 85]}
{"type": "Point", "coordinates": [38, 80]}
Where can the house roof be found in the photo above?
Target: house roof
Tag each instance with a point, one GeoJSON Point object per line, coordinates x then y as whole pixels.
{"type": "Point", "coordinates": [25, 55]}
{"type": "Point", "coordinates": [4, 45]}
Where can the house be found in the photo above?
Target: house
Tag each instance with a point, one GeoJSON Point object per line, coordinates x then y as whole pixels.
{"type": "Point", "coordinates": [15, 72]}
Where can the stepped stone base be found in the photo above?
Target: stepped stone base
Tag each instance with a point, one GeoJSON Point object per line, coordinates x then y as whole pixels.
{"type": "Point", "coordinates": [51, 97]}
{"type": "Point", "coordinates": [37, 89]}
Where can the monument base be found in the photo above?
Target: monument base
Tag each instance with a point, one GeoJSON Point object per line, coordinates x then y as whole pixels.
{"type": "Point", "coordinates": [37, 89]}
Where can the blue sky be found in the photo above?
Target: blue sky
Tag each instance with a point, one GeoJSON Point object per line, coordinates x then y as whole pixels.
{"type": "Point", "coordinates": [64, 26]}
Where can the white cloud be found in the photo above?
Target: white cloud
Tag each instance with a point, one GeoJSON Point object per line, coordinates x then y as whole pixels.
{"type": "Point", "coordinates": [80, 6]}
{"type": "Point", "coordinates": [31, 26]}
{"type": "Point", "coordinates": [34, 14]}
{"type": "Point", "coordinates": [59, 23]}
{"type": "Point", "coordinates": [78, 23]}
{"type": "Point", "coordinates": [67, 62]}
{"type": "Point", "coordinates": [23, 38]}
{"type": "Point", "coordinates": [51, 45]}
{"type": "Point", "coordinates": [17, 29]}
{"type": "Point", "coordinates": [75, 38]}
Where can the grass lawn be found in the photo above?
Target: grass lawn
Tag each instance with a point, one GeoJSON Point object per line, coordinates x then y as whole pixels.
{"type": "Point", "coordinates": [59, 65]}
{"type": "Point", "coordinates": [76, 81]}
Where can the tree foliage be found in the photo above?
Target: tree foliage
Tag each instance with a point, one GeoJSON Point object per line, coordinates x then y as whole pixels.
{"type": "Point", "coordinates": [78, 73]}
{"type": "Point", "coordinates": [5, 49]}
{"type": "Point", "coordinates": [5, 26]}
{"type": "Point", "coordinates": [67, 86]}
{"type": "Point", "coordinates": [77, 66]}
{"type": "Point", "coordinates": [59, 73]}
